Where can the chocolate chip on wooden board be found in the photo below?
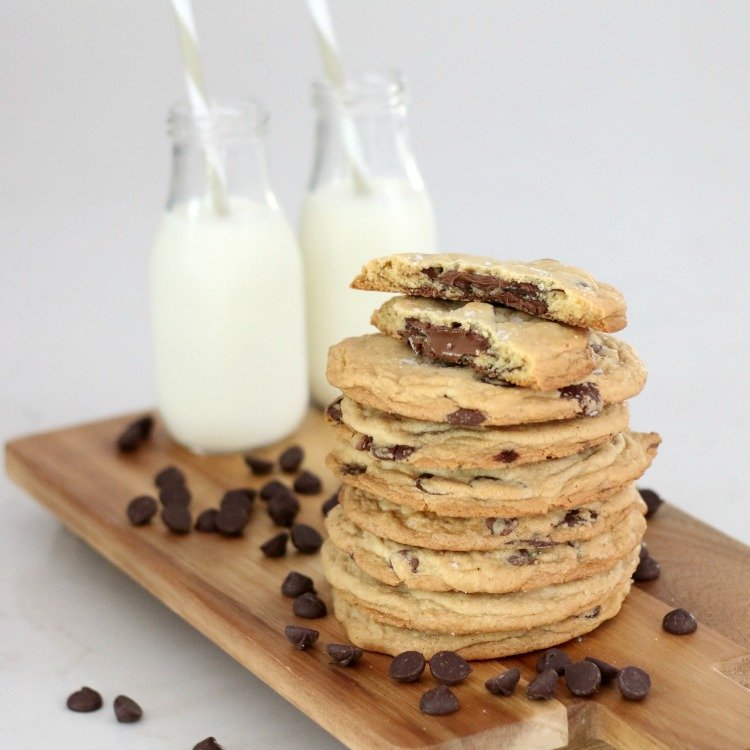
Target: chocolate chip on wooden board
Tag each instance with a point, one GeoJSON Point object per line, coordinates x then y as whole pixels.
{"type": "Point", "coordinates": [306, 539]}
{"type": "Point", "coordinates": [206, 521]}
{"type": "Point", "coordinates": [84, 700]}
{"type": "Point", "coordinates": [505, 682]}
{"type": "Point", "coordinates": [135, 434]}
{"type": "Point", "coordinates": [344, 654]}
{"type": "Point", "coordinates": [240, 498]}
{"type": "Point", "coordinates": [449, 668]}
{"type": "Point", "coordinates": [301, 638]}
{"type": "Point", "coordinates": [141, 510]}
{"type": "Point", "coordinates": [273, 489]}
{"type": "Point", "coordinates": [543, 686]}
{"type": "Point", "coordinates": [307, 483]}
{"type": "Point", "coordinates": [177, 519]}
{"type": "Point", "coordinates": [583, 678]}
{"type": "Point", "coordinates": [291, 459]}
{"type": "Point", "coordinates": [127, 711]}
{"type": "Point", "coordinates": [295, 584]}
{"type": "Point", "coordinates": [309, 606]}
{"type": "Point", "coordinates": [648, 569]}
{"type": "Point", "coordinates": [553, 658]}
{"type": "Point", "coordinates": [169, 476]}
{"type": "Point", "coordinates": [607, 671]}
{"type": "Point", "coordinates": [330, 504]}
{"type": "Point", "coordinates": [283, 509]}
{"type": "Point", "coordinates": [652, 500]}
{"type": "Point", "coordinates": [208, 744]}
{"type": "Point", "coordinates": [175, 494]}
{"type": "Point", "coordinates": [408, 666]}
{"type": "Point", "coordinates": [679, 622]}
{"type": "Point", "coordinates": [259, 467]}
{"type": "Point", "coordinates": [634, 683]}
{"type": "Point", "coordinates": [439, 701]}
{"type": "Point", "coordinates": [231, 520]}
{"type": "Point", "coordinates": [275, 546]}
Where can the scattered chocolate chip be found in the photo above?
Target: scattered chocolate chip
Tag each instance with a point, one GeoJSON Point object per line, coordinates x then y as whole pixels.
{"type": "Point", "coordinates": [334, 410]}
{"type": "Point", "coordinates": [652, 500]}
{"type": "Point", "coordinates": [208, 744]}
{"type": "Point", "coordinates": [175, 494]}
{"type": "Point", "coordinates": [506, 457]}
{"type": "Point", "coordinates": [344, 654]}
{"type": "Point", "coordinates": [521, 557]}
{"type": "Point", "coordinates": [206, 521]}
{"type": "Point", "coordinates": [291, 459]}
{"type": "Point", "coordinates": [84, 701]}
{"type": "Point", "coordinates": [607, 671]}
{"type": "Point", "coordinates": [127, 710]}
{"type": "Point", "coordinates": [306, 539]}
{"type": "Point", "coordinates": [449, 668]}
{"type": "Point", "coordinates": [576, 517]}
{"type": "Point", "coordinates": [330, 504]}
{"type": "Point", "coordinates": [310, 606]}
{"type": "Point", "coordinates": [587, 395]}
{"type": "Point", "coordinates": [177, 519]}
{"type": "Point", "coordinates": [275, 546]}
{"type": "Point", "coordinates": [634, 683]}
{"type": "Point", "coordinates": [141, 510]}
{"type": "Point", "coordinates": [543, 686]}
{"type": "Point", "coordinates": [242, 499]}
{"type": "Point", "coordinates": [307, 484]}
{"type": "Point", "coordinates": [295, 584]}
{"type": "Point", "coordinates": [135, 434]}
{"type": "Point", "coordinates": [505, 682]}
{"type": "Point", "coordinates": [501, 526]}
{"type": "Point", "coordinates": [439, 701]}
{"type": "Point", "coordinates": [169, 476]}
{"type": "Point", "coordinates": [231, 520]}
{"type": "Point", "coordinates": [583, 678]}
{"type": "Point", "coordinates": [283, 509]}
{"type": "Point", "coordinates": [648, 570]}
{"type": "Point", "coordinates": [465, 417]}
{"type": "Point", "coordinates": [259, 467]}
{"type": "Point", "coordinates": [353, 469]}
{"type": "Point", "coordinates": [392, 452]}
{"type": "Point", "coordinates": [553, 658]}
{"type": "Point", "coordinates": [300, 638]}
{"type": "Point", "coordinates": [407, 666]}
{"type": "Point", "coordinates": [273, 489]}
{"type": "Point", "coordinates": [679, 622]}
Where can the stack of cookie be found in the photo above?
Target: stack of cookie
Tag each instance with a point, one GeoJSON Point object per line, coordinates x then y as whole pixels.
{"type": "Point", "coordinates": [489, 504]}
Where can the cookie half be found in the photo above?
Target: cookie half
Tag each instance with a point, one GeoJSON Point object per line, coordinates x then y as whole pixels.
{"type": "Point", "coordinates": [543, 288]}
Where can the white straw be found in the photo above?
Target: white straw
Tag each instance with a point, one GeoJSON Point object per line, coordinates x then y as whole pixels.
{"type": "Point", "coordinates": [321, 18]}
{"type": "Point", "coordinates": [198, 97]}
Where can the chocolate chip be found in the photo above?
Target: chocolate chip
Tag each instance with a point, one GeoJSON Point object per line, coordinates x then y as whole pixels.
{"type": "Point", "coordinates": [439, 701]}
{"type": "Point", "coordinates": [652, 500]}
{"type": "Point", "coordinates": [141, 510]}
{"type": "Point", "coordinates": [449, 668]}
{"type": "Point", "coordinates": [607, 671]}
{"type": "Point", "coordinates": [648, 570]}
{"type": "Point", "coordinates": [334, 410]}
{"type": "Point", "coordinates": [291, 459]}
{"type": "Point", "coordinates": [679, 622]}
{"type": "Point", "coordinates": [84, 701]}
{"type": "Point", "coordinates": [307, 484]}
{"type": "Point", "coordinates": [300, 638]}
{"type": "Point", "coordinates": [543, 686]}
{"type": "Point", "coordinates": [634, 683]}
{"type": "Point", "coordinates": [353, 469]}
{"type": "Point", "coordinates": [591, 614]}
{"type": "Point", "coordinates": [295, 584]}
{"type": "Point", "coordinates": [365, 443]}
{"type": "Point", "coordinates": [175, 494]}
{"type": "Point", "coordinates": [283, 509]}
{"type": "Point", "coordinates": [242, 499]}
{"type": "Point", "coordinates": [306, 539]}
{"type": "Point", "coordinates": [206, 521]}
{"type": "Point", "coordinates": [344, 654]}
{"type": "Point", "coordinates": [273, 489]}
{"type": "Point", "coordinates": [208, 744]}
{"type": "Point", "coordinates": [465, 417]}
{"type": "Point", "coordinates": [169, 476]}
{"type": "Point", "coordinates": [231, 520]}
{"type": "Point", "coordinates": [310, 606]}
{"type": "Point", "coordinates": [506, 457]}
{"type": "Point", "coordinates": [521, 557]}
{"type": "Point", "coordinates": [135, 434]}
{"type": "Point", "coordinates": [330, 504]}
{"type": "Point", "coordinates": [501, 526]}
{"type": "Point", "coordinates": [177, 519]}
{"type": "Point", "coordinates": [392, 452]}
{"type": "Point", "coordinates": [505, 682]}
{"type": "Point", "coordinates": [587, 395]}
{"type": "Point", "coordinates": [583, 678]}
{"type": "Point", "coordinates": [259, 467]}
{"type": "Point", "coordinates": [576, 517]}
{"type": "Point", "coordinates": [411, 558]}
{"type": "Point", "coordinates": [127, 710]}
{"type": "Point", "coordinates": [275, 546]}
{"type": "Point", "coordinates": [553, 658]}
{"type": "Point", "coordinates": [407, 666]}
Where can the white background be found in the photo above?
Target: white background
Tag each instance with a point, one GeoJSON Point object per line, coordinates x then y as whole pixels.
{"type": "Point", "coordinates": [615, 136]}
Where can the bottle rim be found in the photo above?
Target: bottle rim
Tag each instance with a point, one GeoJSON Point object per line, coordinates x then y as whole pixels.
{"type": "Point", "coordinates": [231, 119]}
{"type": "Point", "coordinates": [370, 91]}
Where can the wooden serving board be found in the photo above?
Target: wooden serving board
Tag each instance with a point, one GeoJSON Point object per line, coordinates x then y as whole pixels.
{"type": "Point", "coordinates": [230, 592]}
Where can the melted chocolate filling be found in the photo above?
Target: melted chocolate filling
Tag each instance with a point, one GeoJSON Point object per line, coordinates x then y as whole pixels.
{"type": "Point", "coordinates": [450, 344]}
{"type": "Point", "coordinates": [587, 395]}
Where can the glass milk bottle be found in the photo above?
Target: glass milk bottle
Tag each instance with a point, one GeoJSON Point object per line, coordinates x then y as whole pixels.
{"type": "Point", "coordinates": [226, 290]}
{"type": "Point", "coordinates": [349, 218]}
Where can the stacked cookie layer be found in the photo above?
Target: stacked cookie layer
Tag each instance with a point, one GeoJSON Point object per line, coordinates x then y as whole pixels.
{"type": "Point", "coordinates": [483, 441]}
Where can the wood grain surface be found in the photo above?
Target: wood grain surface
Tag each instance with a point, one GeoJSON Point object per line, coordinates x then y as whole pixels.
{"type": "Point", "coordinates": [230, 592]}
